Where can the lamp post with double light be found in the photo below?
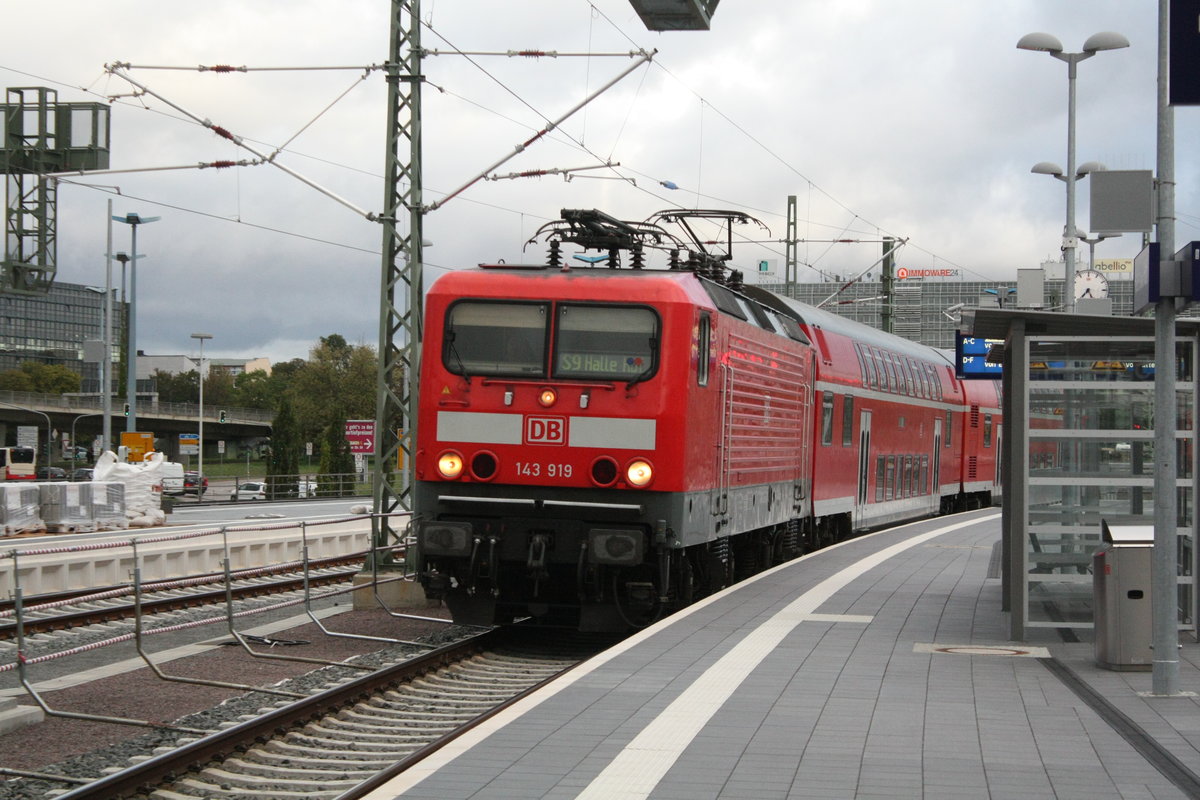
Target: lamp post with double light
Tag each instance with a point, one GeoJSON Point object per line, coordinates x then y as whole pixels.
{"type": "Point", "coordinates": [1069, 244]}
{"type": "Point", "coordinates": [1047, 43]}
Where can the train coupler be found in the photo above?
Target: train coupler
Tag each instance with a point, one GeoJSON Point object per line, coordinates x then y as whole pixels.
{"type": "Point", "coordinates": [641, 593]}
{"type": "Point", "coordinates": [435, 584]}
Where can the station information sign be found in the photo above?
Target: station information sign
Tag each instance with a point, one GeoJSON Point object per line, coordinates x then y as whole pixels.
{"type": "Point", "coordinates": [971, 357]}
{"type": "Point", "coordinates": [360, 433]}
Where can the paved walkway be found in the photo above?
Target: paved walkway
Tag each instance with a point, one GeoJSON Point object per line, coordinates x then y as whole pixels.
{"type": "Point", "coordinates": [879, 668]}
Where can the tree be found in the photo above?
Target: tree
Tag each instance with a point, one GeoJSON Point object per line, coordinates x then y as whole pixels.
{"type": "Point", "coordinates": [42, 378]}
{"type": "Point", "coordinates": [16, 380]}
{"type": "Point", "coordinates": [337, 462]}
{"type": "Point", "coordinates": [336, 376]}
{"type": "Point", "coordinates": [255, 389]}
{"type": "Point", "coordinates": [283, 463]}
{"type": "Point", "coordinates": [218, 388]}
{"type": "Point", "coordinates": [177, 387]}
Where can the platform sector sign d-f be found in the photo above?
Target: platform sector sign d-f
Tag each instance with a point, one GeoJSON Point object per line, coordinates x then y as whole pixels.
{"type": "Point", "coordinates": [360, 433]}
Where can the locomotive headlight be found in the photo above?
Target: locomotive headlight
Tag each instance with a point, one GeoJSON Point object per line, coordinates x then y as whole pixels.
{"type": "Point", "coordinates": [547, 397]}
{"type": "Point", "coordinates": [639, 473]}
{"type": "Point", "coordinates": [450, 464]}
{"type": "Point", "coordinates": [622, 547]}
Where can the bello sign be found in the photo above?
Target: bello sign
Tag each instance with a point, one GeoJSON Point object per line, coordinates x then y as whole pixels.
{"type": "Point", "coordinates": [360, 433]}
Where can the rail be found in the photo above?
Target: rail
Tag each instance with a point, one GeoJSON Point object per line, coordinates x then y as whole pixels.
{"type": "Point", "coordinates": [375, 555]}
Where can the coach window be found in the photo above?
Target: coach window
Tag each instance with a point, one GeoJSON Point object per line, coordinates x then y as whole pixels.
{"type": "Point", "coordinates": [987, 430]}
{"type": "Point", "coordinates": [496, 339]}
{"type": "Point", "coordinates": [847, 420]}
{"type": "Point", "coordinates": [827, 418]}
{"type": "Point", "coordinates": [704, 351]}
{"type": "Point", "coordinates": [881, 368]}
{"type": "Point", "coordinates": [606, 342]}
{"type": "Point", "coordinates": [889, 485]}
{"type": "Point", "coordinates": [880, 476]}
{"type": "Point", "coordinates": [862, 364]}
{"type": "Point", "coordinates": [948, 434]}
{"type": "Point", "coordinates": [895, 380]}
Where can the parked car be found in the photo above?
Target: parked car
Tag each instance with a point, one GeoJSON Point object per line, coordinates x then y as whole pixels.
{"type": "Point", "coordinates": [51, 474]}
{"type": "Point", "coordinates": [251, 490]}
{"type": "Point", "coordinates": [83, 474]}
{"type": "Point", "coordinates": [190, 480]}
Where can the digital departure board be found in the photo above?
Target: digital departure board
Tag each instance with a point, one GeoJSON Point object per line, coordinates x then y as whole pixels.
{"type": "Point", "coordinates": [971, 357]}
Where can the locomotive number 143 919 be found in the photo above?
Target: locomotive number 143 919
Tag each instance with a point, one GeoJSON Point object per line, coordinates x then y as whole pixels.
{"type": "Point", "coordinates": [535, 469]}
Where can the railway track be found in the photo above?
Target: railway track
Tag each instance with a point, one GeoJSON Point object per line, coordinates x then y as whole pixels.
{"type": "Point", "coordinates": [334, 743]}
{"type": "Point", "coordinates": [65, 612]}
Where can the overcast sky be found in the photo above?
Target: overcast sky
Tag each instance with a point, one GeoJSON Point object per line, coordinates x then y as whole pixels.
{"type": "Point", "coordinates": [917, 119]}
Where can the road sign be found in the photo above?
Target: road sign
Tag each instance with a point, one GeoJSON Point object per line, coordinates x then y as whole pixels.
{"type": "Point", "coordinates": [360, 433]}
{"type": "Point", "coordinates": [137, 445]}
{"type": "Point", "coordinates": [189, 444]}
{"type": "Point", "coordinates": [27, 436]}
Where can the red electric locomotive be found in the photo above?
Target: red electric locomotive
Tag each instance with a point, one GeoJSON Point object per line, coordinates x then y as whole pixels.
{"type": "Point", "coordinates": [599, 445]}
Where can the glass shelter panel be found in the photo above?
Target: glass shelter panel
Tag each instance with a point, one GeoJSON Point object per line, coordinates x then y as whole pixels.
{"type": "Point", "coordinates": [1090, 451]}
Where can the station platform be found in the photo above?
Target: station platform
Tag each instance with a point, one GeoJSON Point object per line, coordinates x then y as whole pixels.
{"type": "Point", "coordinates": [878, 668]}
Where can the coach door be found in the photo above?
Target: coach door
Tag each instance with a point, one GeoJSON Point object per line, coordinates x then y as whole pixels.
{"type": "Point", "coordinates": [935, 488]}
{"type": "Point", "coordinates": [864, 464]}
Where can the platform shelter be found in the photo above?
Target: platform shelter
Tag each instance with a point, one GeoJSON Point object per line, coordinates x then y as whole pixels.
{"type": "Point", "coordinates": [1079, 448]}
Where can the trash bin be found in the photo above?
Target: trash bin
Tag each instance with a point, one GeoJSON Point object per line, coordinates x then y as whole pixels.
{"type": "Point", "coordinates": [1121, 580]}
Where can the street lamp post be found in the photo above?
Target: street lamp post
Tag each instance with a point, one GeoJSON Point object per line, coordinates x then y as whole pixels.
{"type": "Point", "coordinates": [200, 455]}
{"type": "Point", "coordinates": [132, 220]}
{"type": "Point", "coordinates": [1047, 43]}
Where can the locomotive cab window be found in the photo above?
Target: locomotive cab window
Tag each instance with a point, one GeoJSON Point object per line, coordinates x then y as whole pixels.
{"type": "Point", "coordinates": [606, 342]}
{"type": "Point", "coordinates": [704, 349]}
{"type": "Point", "coordinates": [489, 338]}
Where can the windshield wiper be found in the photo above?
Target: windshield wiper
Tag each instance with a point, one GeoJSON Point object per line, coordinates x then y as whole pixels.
{"type": "Point", "coordinates": [646, 373]}
{"type": "Point", "coordinates": [462, 368]}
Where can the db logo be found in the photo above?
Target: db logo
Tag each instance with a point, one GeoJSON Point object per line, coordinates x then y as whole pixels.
{"type": "Point", "coordinates": [545, 430]}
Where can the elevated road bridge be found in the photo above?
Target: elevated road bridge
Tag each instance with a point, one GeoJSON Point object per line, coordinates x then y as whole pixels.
{"type": "Point", "coordinates": [83, 414]}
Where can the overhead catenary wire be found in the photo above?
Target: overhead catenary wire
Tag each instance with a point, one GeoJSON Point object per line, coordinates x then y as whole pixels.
{"type": "Point", "coordinates": [118, 69]}
{"type": "Point", "coordinates": [530, 53]}
{"type": "Point", "coordinates": [202, 165]}
{"type": "Point", "coordinates": [721, 201]}
{"type": "Point", "coordinates": [226, 68]}
{"type": "Point", "coordinates": [550, 126]}
{"type": "Point", "coordinates": [538, 173]}
{"type": "Point", "coordinates": [899, 243]}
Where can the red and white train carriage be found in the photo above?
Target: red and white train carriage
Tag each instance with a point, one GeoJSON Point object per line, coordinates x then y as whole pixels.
{"type": "Point", "coordinates": [597, 446]}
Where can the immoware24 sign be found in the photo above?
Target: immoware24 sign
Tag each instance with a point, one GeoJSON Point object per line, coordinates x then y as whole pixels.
{"type": "Point", "coordinates": [360, 433]}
